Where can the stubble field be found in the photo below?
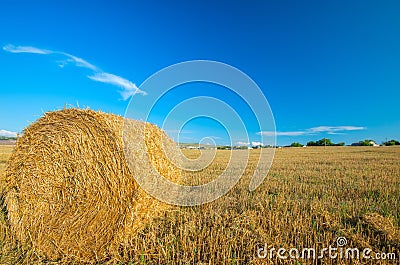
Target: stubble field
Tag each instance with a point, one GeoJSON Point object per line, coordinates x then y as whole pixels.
{"type": "Point", "coordinates": [310, 197]}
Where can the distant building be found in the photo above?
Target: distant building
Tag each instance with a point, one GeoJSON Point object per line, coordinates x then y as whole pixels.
{"type": "Point", "coordinates": [372, 143]}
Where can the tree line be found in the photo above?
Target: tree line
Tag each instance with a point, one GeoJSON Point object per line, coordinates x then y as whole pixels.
{"type": "Point", "coordinates": [328, 142]}
{"type": "Point", "coordinates": [7, 138]}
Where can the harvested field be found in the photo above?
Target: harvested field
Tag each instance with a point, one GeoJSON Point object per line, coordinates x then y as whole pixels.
{"type": "Point", "coordinates": [310, 197]}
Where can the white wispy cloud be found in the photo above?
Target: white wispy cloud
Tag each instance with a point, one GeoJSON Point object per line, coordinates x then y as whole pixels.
{"type": "Point", "coordinates": [8, 133]}
{"type": "Point", "coordinates": [256, 143]}
{"type": "Point", "coordinates": [25, 49]}
{"type": "Point", "coordinates": [336, 128]}
{"type": "Point", "coordinates": [70, 58]}
{"type": "Point", "coordinates": [128, 87]}
{"type": "Point", "coordinates": [314, 130]}
{"type": "Point", "coordinates": [241, 143]}
{"type": "Point", "coordinates": [80, 62]}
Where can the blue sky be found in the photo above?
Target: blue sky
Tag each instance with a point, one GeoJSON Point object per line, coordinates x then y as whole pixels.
{"type": "Point", "coordinates": [327, 69]}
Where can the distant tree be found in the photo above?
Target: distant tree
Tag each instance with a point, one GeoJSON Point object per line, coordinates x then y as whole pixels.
{"type": "Point", "coordinates": [311, 143]}
{"type": "Point", "coordinates": [7, 138]}
{"type": "Point", "coordinates": [296, 144]}
{"type": "Point", "coordinates": [324, 142]}
{"type": "Point", "coordinates": [391, 142]}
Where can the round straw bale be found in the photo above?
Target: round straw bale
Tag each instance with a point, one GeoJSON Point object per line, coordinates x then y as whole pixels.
{"type": "Point", "coordinates": [70, 194]}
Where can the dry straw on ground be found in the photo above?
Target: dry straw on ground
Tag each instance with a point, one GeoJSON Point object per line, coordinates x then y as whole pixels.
{"type": "Point", "coordinates": [70, 194]}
